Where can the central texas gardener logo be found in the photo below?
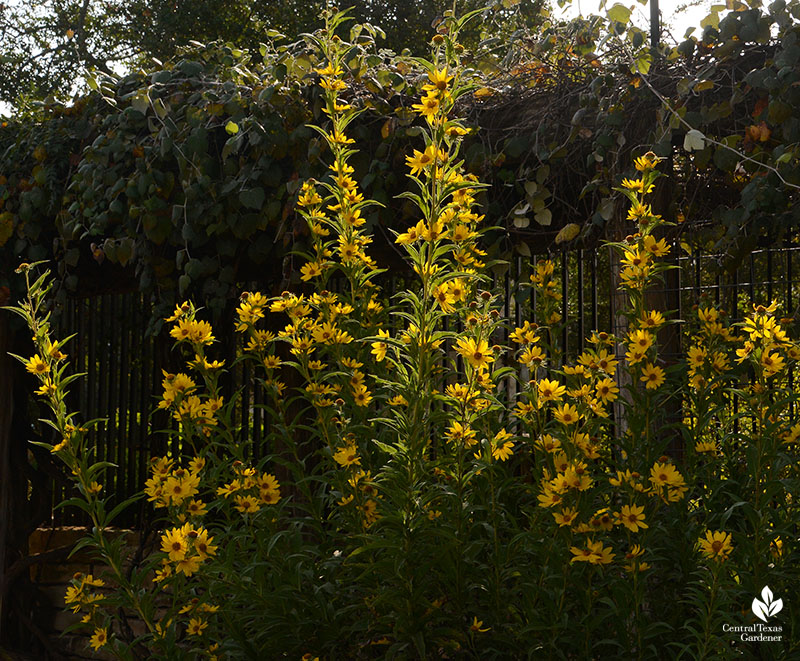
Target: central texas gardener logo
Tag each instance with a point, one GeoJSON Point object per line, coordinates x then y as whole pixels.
{"type": "Point", "coordinates": [765, 607]}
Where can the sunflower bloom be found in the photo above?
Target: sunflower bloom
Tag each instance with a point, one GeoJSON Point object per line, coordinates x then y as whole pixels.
{"type": "Point", "coordinates": [36, 365]}
{"type": "Point", "coordinates": [550, 391]}
{"type": "Point", "coordinates": [716, 545]}
{"type": "Point", "coordinates": [476, 352]}
{"type": "Point", "coordinates": [652, 376]}
{"type": "Point", "coordinates": [99, 638]}
{"type": "Point", "coordinates": [566, 414]}
{"type": "Point", "coordinates": [632, 517]}
{"type": "Point", "coordinates": [174, 543]}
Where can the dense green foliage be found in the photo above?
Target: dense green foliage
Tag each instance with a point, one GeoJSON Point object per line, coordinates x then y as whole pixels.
{"type": "Point", "coordinates": [49, 44]}
{"type": "Point", "coordinates": [436, 480]}
{"type": "Point", "coordinates": [173, 172]}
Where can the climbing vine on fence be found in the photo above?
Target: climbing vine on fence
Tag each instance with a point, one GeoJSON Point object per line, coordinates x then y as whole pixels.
{"type": "Point", "coordinates": [180, 180]}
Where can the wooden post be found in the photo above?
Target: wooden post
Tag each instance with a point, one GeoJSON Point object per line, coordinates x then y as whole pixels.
{"type": "Point", "coordinates": [6, 414]}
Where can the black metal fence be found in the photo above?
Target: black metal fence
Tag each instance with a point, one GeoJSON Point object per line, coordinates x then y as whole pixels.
{"type": "Point", "coordinates": [124, 367]}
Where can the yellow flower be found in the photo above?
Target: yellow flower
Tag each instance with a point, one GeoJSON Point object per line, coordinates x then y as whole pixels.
{"type": "Point", "coordinates": [594, 553]}
{"type": "Point", "coordinates": [174, 543]}
{"type": "Point", "coordinates": [338, 138]}
{"type": "Point", "coordinates": [502, 446]}
{"type": "Point", "coordinates": [188, 565]}
{"type": "Point", "coordinates": [362, 396]}
{"type": "Point", "coordinates": [195, 332]}
{"type": "Point", "coordinates": [99, 638]}
{"type": "Point", "coordinates": [632, 517]}
{"type": "Point", "coordinates": [180, 310]}
{"type": "Point", "coordinates": [566, 516]}
{"type": "Point", "coordinates": [459, 433]}
{"type": "Point", "coordinates": [476, 625]}
{"type": "Point", "coordinates": [745, 351]}
{"type": "Point", "coordinates": [606, 361]}
{"type": "Point", "coordinates": [716, 545]}
{"type": "Point", "coordinates": [633, 556]}
{"type": "Point", "coordinates": [455, 131]}
{"type": "Point", "coordinates": [439, 80]}
{"type": "Point", "coordinates": [203, 545]}
{"type": "Point", "coordinates": [602, 520]}
{"type": "Point", "coordinates": [347, 456]}
{"type": "Point", "coordinates": [47, 387]}
{"type": "Point", "coordinates": [607, 390]}
{"type": "Point", "coordinates": [652, 319]}
{"type": "Point", "coordinates": [524, 335]}
{"type": "Point", "coordinates": [657, 248]}
{"type": "Point", "coordinates": [179, 489]}
{"type": "Point", "coordinates": [532, 355]}
{"type": "Point", "coordinates": [696, 356]}
{"type": "Point", "coordinates": [549, 497]}
{"type": "Point", "coordinates": [476, 352]}
{"type": "Point", "coordinates": [566, 414]}
{"type": "Point", "coordinates": [646, 162]}
{"type": "Point", "coordinates": [550, 391]}
{"type": "Point", "coordinates": [421, 160]}
{"type": "Point", "coordinates": [636, 185]}
{"type": "Point", "coordinates": [409, 236]}
{"type": "Point", "coordinates": [427, 107]}
{"type": "Point", "coordinates": [196, 626]}
{"type": "Point", "coordinates": [547, 443]}
{"type": "Point", "coordinates": [640, 339]}
{"type": "Point", "coordinates": [36, 365]}
{"type": "Point", "coordinates": [771, 362]}
{"type": "Point", "coordinates": [705, 447]}
{"type": "Point", "coordinates": [329, 70]}
{"type": "Point", "coordinates": [379, 348]}
{"type": "Point", "coordinates": [444, 298]}
{"type": "Point", "coordinates": [370, 511]}
{"type": "Point", "coordinates": [324, 334]}
{"type": "Point", "coordinates": [196, 508]}
{"type": "Point", "coordinates": [652, 376]}
{"type": "Point", "coordinates": [246, 504]}
{"type": "Point", "coordinates": [310, 270]}
{"type": "Point", "coordinates": [665, 475]}
{"type": "Point", "coordinates": [201, 363]}
{"type": "Point", "coordinates": [334, 84]}
{"type": "Point", "coordinates": [638, 212]}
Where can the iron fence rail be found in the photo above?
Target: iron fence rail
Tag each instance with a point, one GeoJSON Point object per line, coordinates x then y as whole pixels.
{"type": "Point", "coordinates": [124, 368]}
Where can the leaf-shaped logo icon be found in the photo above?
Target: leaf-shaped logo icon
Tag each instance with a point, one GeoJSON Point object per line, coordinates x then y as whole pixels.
{"type": "Point", "coordinates": [760, 609]}
{"type": "Point", "coordinates": [766, 608]}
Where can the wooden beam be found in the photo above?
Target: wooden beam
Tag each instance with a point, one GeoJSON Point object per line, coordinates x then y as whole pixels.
{"type": "Point", "coordinates": [6, 415]}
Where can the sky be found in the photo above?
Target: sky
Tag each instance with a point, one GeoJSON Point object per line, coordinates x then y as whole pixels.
{"type": "Point", "coordinates": [674, 13]}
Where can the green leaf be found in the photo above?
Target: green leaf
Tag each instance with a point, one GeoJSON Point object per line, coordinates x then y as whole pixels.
{"type": "Point", "coordinates": [252, 198]}
{"type": "Point", "coordinates": [619, 13]}
{"type": "Point", "coordinates": [568, 232]}
{"type": "Point", "coordinates": [544, 217]}
{"type": "Point", "coordinates": [712, 20]}
{"type": "Point", "coordinates": [694, 140]}
{"type": "Point", "coordinates": [643, 63]}
{"type": "Point", "coordinates": [232, 128]}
